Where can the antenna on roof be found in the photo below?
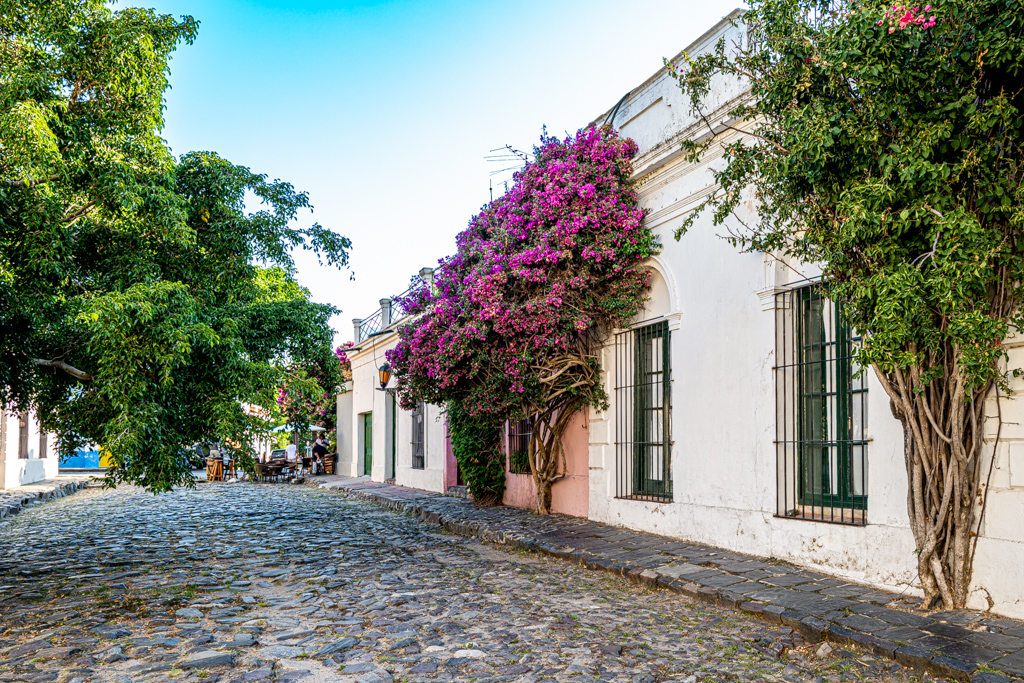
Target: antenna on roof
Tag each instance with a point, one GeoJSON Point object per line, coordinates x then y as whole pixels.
{"type": "Point", "coordinates": [510, 155]}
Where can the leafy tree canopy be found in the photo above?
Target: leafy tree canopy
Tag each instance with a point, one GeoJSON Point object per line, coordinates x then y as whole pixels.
{"type": "Point", "coordinates": [883, 143]}
{"type": "Point", "coordinates": [140, 303]}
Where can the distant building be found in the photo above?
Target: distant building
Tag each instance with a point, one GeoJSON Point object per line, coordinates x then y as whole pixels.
{"type": "Point", "coordinates": [27, 455]}
{"type": "Point", "coordinates": [376, 438]}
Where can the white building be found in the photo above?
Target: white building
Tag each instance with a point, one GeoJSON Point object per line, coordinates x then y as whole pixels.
{"type": "Point", "coordinates": [27, 455]}
{"type": "Point", "coordinates": [731, 348]}
{"type": "Point", "coordinates": [376, 438]}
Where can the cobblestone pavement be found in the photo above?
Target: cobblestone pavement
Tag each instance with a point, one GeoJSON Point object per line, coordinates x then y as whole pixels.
{"type": "Point", "coordinates": [246, 582]}
{"type": "Point", "coordinates": [963, 644]}
{"type": "Point", "coordinates": [13, 499]}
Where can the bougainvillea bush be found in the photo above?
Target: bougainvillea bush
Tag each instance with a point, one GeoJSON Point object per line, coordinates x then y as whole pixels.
{"type": "Point", "coordinates": [512, 323]}
{"type": "Point", "coordinates": [884, 143]}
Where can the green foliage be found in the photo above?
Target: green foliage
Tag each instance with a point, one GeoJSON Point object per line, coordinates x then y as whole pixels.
{"type": "Point", "coordinates": [476, 443]}
{"type": "Point", "coordinates": [891, 159]}
{"type": "Point", "coordinates": [133, 313]}
{"type": "Point", "coordinates": [885, 147]}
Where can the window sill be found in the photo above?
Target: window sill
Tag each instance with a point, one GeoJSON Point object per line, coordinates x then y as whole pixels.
{"type": "Point", "coordinates": [829, 515]}
{"type": "Point", "coordinates": [647, 498]}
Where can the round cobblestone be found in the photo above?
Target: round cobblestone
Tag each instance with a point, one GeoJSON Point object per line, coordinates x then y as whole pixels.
{"type": "Point", "coordinates": [247, 582]}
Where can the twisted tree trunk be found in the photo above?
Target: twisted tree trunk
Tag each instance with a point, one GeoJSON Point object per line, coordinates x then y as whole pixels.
{"type": "Point", "coordinates": [943, 434]}
{"type": "Point", "coordinates": [547, 463]}
{"type": "Point", "coordinates": [572, 381]}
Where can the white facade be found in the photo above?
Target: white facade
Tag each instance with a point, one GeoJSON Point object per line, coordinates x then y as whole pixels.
{"type": "Point", "coordinates": [720, 308]}
{"type": "Point", "coordinates": [25, 457]}
{"type": "Point", "coordinates": [372, 427]}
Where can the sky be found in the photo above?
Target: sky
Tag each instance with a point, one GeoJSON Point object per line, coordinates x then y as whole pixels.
{"type": "Point", "coordinates": [385, 112]}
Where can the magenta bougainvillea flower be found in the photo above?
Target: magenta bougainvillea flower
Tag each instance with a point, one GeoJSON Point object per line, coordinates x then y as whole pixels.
{"type": "Point", "coordinates": [540, 274]}
{"type": "Point", "coordinates": [901, 17]}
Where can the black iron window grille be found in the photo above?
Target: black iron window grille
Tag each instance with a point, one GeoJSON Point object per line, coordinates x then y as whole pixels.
{"type": "Point", "coordinates": [643, 406]}
{"type": "Point", "coordinates": [419, 450]}
{"type": "Point", "coordinates": [520, 440]}
{"type": "Point", "coordinates": [821, 406]}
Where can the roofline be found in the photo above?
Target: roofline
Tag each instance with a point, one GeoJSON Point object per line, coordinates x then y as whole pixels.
{"type": "Point", "coordinates": [727, 19]}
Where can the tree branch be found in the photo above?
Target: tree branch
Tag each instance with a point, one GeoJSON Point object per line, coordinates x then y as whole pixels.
{"type": "Point", "coordinates": [30, 184]}
{"type": "Point", "coordinates": [61, 365]}
{"type": "Point", "coordinates": [738, 130]}
{"type": "Point", "coordinates": [72, 217]}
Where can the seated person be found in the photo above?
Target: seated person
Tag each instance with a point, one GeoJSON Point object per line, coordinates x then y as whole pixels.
{"type": "Point", "coordinates": [319, 451]}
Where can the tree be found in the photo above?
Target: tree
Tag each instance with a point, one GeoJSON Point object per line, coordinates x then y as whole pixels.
{"type": "Point", "coordinates": [513, 326]}
{"type": "Point", "coordinates": [132, 310]}
{"type": "Point", "coordinates": [884, 143]}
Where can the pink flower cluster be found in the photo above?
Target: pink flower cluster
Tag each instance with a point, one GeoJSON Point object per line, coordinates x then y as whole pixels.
{"type": "Point", "coordinates": [341, 353]}
{"type": "Point", "coordinates": [901, 16]}
{"type": "Point", "coordinates": [553, 260]}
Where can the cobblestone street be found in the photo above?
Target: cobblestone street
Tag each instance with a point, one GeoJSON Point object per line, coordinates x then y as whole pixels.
{"type": "Point", "coordinates": [251, 582]}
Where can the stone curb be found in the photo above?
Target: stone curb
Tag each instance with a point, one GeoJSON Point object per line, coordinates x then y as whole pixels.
{"type": "Point", "coordinates": [13, 501]}
{"type": "Point", "coordinates": [812, 628]}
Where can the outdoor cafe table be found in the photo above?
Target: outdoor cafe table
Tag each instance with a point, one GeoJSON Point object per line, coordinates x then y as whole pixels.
{"type": "Point", "coordinates": [275, 467]}
{"type": "Point", "coordinates": [282, 465]}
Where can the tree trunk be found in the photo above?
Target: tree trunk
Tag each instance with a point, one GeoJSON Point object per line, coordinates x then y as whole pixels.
{"type": "Point", "coordinates": [572, 382]}
{"type": "Point", "coordinates": [943, 434]}
{"type": "Point", "coordinates": [544, 497]}
{"type": "Point", "coordinates": [548, 456]}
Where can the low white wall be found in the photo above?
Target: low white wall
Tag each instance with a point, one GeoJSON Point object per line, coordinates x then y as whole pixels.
{"type": "Point", "coordinates": [431, 476]}
{"type": "Point", "coordinates": [38, 466]}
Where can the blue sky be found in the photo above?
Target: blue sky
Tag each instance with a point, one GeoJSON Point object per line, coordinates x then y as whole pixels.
{"type": "Point", "coordinates": [385, 111]}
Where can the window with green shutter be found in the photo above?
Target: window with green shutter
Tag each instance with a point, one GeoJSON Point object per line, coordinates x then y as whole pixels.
{"type": "Point", "coordinates": [643, 413]}
{"type": "Point", "coordinates": [822, 411]}
{"type": "Point", "coordinates": [419, 459]}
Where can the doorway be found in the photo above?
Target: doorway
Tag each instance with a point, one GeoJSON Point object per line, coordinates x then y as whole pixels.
{"type": "Point", "coordinates": [367, 443]}
{"type": "Point", "coordinates": [393, 446]}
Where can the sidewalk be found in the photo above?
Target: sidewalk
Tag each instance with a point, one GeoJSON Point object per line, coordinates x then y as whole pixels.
{"type": "Point", "coordinates": [12, 500]}
{"type": "Point", "coordinates": [964, 645]}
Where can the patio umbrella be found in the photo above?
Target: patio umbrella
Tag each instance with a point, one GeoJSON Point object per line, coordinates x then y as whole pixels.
{"type": "Point", "coordinates": [284, 428]}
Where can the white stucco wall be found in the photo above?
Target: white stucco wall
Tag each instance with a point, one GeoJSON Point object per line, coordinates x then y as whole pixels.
{"type": "Point", "coordinates": [38, 466]}
{"type": "Point", "coordinates": [720, 307]}
{"type": "Point", "coordinates": [345, 433]}
{"type": "Point", "coordinates": [431, 476]}
{"type": "Point", "coordinates": [365, 397]}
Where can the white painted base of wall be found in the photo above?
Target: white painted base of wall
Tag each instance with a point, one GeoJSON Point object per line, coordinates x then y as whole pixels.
{"type": "Point", "coordinates": [21, 471]}
{"type": "Point", "coordinates": [861, 554]}
{"type": "Point", "coordinates": [877, 555]}
{"type": "Point", "coordinates": [431, 479]}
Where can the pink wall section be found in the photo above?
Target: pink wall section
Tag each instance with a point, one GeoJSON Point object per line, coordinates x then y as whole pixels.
{"type": "Point", "coordinates": [571, 494]}
{"type": "Point", "coordinates": [451, 466]}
